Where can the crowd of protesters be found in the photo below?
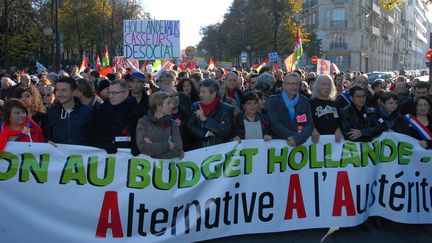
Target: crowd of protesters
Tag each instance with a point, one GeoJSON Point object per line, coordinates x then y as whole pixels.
{"type": "Point", "coordinates": [185, 110]}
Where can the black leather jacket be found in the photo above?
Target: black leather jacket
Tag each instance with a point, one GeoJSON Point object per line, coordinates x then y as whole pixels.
{"type": "Point", "coordinates": [366, 121]}
{"type": "Point", "coordinates": [219, 122]}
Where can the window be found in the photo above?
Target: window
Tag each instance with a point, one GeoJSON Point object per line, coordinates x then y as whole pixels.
{"type": "Point", "coordinates": [339, 39]}
{"type": "Point", "coordinates": [338, 14]}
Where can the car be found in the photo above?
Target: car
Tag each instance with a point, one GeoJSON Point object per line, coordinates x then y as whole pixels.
{"type": "Point", "coordinates": [387, 76]}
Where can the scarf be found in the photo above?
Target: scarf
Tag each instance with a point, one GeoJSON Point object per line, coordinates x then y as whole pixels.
{"type": "Point", "coordinates": [386, 116]}
{"type": "Point", "coordinates": [6, 132]}
{"type": "Point", "coordinates": [210, 107]}
{"type": "Point", "coordinates": [290, 104]}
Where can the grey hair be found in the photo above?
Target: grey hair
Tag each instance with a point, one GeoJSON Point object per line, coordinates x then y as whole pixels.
{"type": "Point", "coordinates": [265, 81]}
{"type": "Point", "coordinates": [318, 80]}
{"type": "Point", "coordinates": [211, 84]}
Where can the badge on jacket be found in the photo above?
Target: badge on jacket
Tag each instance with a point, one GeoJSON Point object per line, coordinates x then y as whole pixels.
{"type": "Point", "coordinates": [301, 118]}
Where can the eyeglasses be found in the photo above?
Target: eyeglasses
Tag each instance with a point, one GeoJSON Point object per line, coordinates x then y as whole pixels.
{"type": "Point", "coordinates": [116, 92]}
{"type": "Point", "coordinates": [296, 84]}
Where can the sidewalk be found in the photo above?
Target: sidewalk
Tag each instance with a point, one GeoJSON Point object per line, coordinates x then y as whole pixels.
{"type": "Point", "coordinates": [380, 230]}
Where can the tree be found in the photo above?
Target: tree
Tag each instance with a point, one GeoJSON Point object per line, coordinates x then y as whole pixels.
{"type": "Point", "coordinates": [313, 47]}
{"type": "Point", "coordinates": [266, 26]}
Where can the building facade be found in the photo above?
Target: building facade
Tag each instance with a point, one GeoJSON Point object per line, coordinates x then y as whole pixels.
{"type": "Point", "coordinates": [359, 35]}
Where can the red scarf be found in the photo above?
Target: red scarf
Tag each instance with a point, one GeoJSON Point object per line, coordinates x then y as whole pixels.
{"type": "Point", "coordinates": [231, 92]}
{"type": "Point", "coordinates": [7, 132]}
{"type": "Point", "coordinates": [210, 107]}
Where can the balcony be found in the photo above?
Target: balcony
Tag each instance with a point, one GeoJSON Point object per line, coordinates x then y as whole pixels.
{"type": "Point", "coordinates": [340, 24]}
{"type": "Point", "coordinates": [376, 9]}
{"type": "Point", "coordinates": [389, 19]}
{"type": "Point", "coordinates": [339, 1]}
{"type": "Point", "coordinates": [375, 30]}
{"type": "Point", "coordinates": [309, 4]}
{"type": "Point", "coordinates": [388, 37]}
{"type": "Point", "coordinates": [338, 46]}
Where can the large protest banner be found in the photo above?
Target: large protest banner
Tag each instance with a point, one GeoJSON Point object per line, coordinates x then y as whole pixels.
{"type": "Point", "coordinates": [81, 194]}
{"type": "Point", "coordinates": [151, 39]}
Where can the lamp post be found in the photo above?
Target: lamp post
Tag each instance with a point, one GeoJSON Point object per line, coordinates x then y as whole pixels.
{"type": "Point", "coordinates": [57, 38]}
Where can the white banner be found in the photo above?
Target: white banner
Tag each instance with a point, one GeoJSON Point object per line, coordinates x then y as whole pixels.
{"type": "Point", "coordinates": [81, 194]}
{"type": "Point", "coordinates": [151, 39]}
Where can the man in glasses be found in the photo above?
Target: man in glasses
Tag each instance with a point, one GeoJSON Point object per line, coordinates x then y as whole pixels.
{"type": "Point", "coordinates": [289, 112]}
{"type": "Point", "coordinates": [114, 124]}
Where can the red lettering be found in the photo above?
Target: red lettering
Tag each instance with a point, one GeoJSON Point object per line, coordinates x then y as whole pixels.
{"type": "Point", "coordinates": [294, 189]}
{"type": "Point", "coordinates": [109, 206]}
{"type": "Point", "coordinates": [343, 188]}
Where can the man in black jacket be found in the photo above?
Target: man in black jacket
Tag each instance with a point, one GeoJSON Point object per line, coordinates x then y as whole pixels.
{"type": "Point", "coordinates": [211, 119]}
{"type": "Point", "coordinates": [115, 122]}
{"type": "Point", "coordinates": [68, 119]}
{"type": "Point", "coordinates": [358, 122]}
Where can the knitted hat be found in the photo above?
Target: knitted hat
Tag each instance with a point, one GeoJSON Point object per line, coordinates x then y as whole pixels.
{"type": "Point", "coordinates": [103, 85]}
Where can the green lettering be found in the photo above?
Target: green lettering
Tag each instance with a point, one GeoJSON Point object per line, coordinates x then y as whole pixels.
{"type": "Point", "coordinates": [158, 182]}
{"type": "Point", "coordinates": [369, 152]}
{"type": "Point", "coordinates": [248, 154]}
{"type": "Point", "coordinates": [92, 170]}
{"type": "Point", "coordinates": [328, 160]}
{"type": "Point", "coordinates": [304, 157]}
{"type": "Point", "coordinates": [12, 170]}
{"type": "Point", "coordinates": [138, 168]}
{"type": "Point", "coordinates": [231, 164]}
{"type": "Point", "coordinates": [404, 149]}
{"type": "Point", "coordinates": [279, 159]}
{"type": "Point", "coordinates": [314, 163]}
{"type": "Point", "coordinates": [350, 155]}
{"type": "Point", "coordinates": [393, 153]}
{"type": "Point", "coordinates": [183, 167]}
{"type": "Point", "coordinates": [74, 170]}
{"type": "Point", "coordinates": [205, 167]}
{"type": "Point", "coordinates": [38, 170]}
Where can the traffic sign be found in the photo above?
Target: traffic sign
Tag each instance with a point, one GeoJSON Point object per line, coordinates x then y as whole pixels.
{"type": "Point", "coordinates": [314, 59]}
{"type": "Point", "coordinates": [243, 54]}
{"type": "Point", "coordinates": [273, 56]}
{"type": "Point", "coordinates": [429, 54]}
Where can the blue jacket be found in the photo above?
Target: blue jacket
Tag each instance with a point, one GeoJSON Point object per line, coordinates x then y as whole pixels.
{"type": "Point", "coordinates": [282, 126]}
{"type": "Point", "coordinates": [68, 128]}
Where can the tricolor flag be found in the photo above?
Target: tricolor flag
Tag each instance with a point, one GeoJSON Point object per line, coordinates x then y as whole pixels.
{"type": "Point", "coordinates": [298, 48]}
{"type": "Point", "coordinates": [261, 65]}
{"type": "Point", "coordinates": [84, 64]}
{"type": "Point", "coordinates": [105, 58]}
{"type": "Point", "coordinates": [166, 67]}
{"type": "Point", "coordinates": [289, 62]}
{"type": "Point", "coordinates": [156, 65]}
{"type": "Point", "coordinates": [98, 63]}
{"type": "Point", "coordinates": [211, 65]}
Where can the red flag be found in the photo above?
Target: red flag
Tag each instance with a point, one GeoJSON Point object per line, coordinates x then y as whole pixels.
{"type": "Point", "coordinates": [98, 63]}
{"type": "Point", "coordinates": [261, 65]}
{"type": "Point", "coordinates": [105, 71]}
{"type": "Point", "coordinates": [211, 65]}
{"type": "Point", "coordinates": [275, 67]}
{"type": "Point", "coordinates": [84, 64]}
{"type": "Point", "coordinates": [144, 66]}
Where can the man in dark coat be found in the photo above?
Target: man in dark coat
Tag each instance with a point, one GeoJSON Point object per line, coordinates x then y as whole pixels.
{"type": "Point", "coordinates": [115, 122]}
{"type": "Point", "coordinates": [211, 119]}
{"type": "Point", "coordinates": [68, 119]}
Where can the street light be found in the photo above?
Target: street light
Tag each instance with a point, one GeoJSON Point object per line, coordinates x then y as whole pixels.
{"type": "Point", "coordinates": [57, 38]}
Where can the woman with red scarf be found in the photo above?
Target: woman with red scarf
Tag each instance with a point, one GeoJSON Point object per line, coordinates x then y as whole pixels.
{"type": "Point", "coordinates": [212, 119]}
{"type": "Point", "coordinates": [17, 126]}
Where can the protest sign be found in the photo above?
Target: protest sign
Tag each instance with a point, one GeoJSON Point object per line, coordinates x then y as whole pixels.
{"type": "Point", "coordinates": [323, 67]}
{"type": "Point", "coordinates": [151, 39]}
{"type": "Point", "coordinates": [81, 194]}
